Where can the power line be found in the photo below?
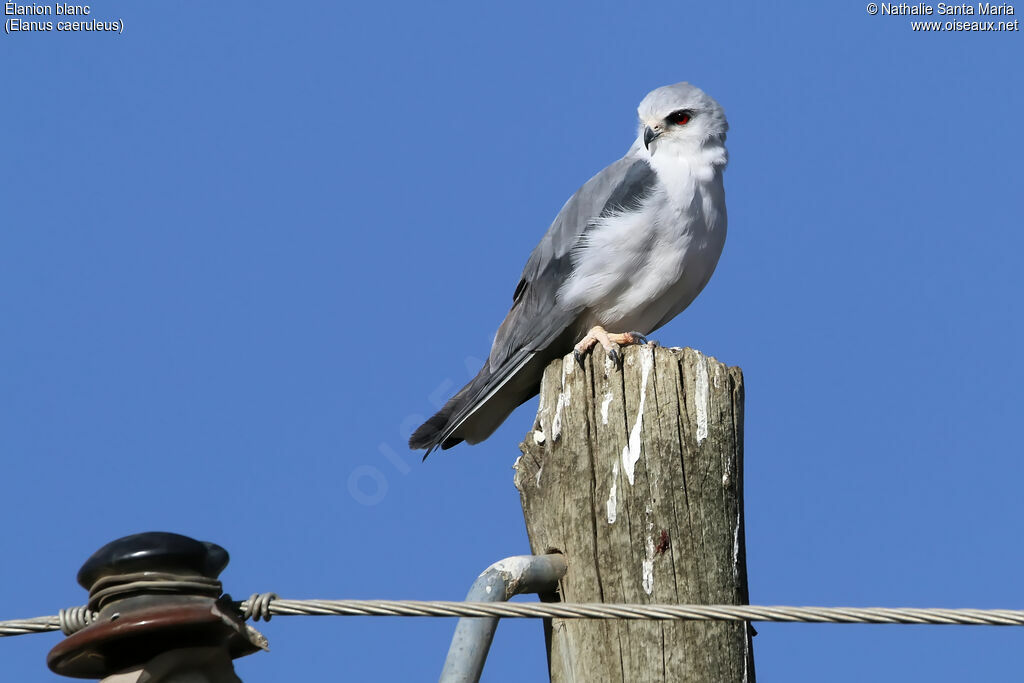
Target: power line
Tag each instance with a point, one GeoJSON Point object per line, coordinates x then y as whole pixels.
{"type": "Point", "coordinates": [266, 605]}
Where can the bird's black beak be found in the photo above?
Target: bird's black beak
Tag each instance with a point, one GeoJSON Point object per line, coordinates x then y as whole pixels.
{"type": "Point", "coordinates": [649, 135]}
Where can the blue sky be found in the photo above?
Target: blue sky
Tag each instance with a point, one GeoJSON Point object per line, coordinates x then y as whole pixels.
{"type": "Point", "coordinates": [247, 246]}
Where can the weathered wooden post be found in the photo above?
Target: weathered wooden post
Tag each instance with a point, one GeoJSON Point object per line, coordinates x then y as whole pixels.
{"type": "Point", "coordinates": [636, 476]}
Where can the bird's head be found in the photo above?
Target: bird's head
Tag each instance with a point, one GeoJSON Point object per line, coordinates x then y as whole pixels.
{"type": "Point", "coordinates": [680, 117]}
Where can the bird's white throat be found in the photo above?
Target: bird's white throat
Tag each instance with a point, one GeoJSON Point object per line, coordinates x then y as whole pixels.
{"type": "Point", "coordinates": [681, 166]}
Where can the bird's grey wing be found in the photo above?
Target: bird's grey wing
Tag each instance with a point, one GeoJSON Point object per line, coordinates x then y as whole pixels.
{"type": "Point", "coordinates": [537, 319]}
{"type": "Point", "coordinates": [617, 187]}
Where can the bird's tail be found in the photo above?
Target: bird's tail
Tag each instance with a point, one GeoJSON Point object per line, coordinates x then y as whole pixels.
{"type": "Point", "coordinates": [482, 405]}
{"type": "Point", "coordinates": [437, 430]}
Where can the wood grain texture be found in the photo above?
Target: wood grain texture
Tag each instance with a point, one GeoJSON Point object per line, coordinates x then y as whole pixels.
{"type": "Point", "coordinates": [636, 475]}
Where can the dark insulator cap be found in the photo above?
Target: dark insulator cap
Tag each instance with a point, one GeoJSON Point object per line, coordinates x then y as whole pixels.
{"type": "Point", "coordinates": [157, 551]}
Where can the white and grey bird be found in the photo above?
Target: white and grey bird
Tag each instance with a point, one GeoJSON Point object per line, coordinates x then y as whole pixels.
{"type": "Point", "coordinates": [628, 252]}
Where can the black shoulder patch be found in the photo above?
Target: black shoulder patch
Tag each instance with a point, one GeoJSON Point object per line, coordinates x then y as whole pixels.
{"type": "Point", "coordinates": [520, 288]}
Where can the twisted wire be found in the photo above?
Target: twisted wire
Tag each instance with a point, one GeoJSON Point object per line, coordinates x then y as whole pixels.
{"type": "Point", "coordinates": [258, 606]}
{"type": "Point", "coordinates": [74, 619]}
{"type": "Point", "coordinates": [265, 605]}
{"type": "Point", "coordinates": [837, 615]}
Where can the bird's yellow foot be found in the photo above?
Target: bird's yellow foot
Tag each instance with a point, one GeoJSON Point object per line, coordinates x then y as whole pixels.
{"type": "Point", "coordinates": [609, 341]}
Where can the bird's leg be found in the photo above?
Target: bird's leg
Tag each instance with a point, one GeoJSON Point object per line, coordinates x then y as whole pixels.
{"type": "Point", "coordinates": [610, 342]}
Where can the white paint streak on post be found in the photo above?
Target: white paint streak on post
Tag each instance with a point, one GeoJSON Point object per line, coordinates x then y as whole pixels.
{"type": "Point", "coordinates": [647, 566]}
{"type": "Point", "coordinates": [556, 424]}
{"type": "Point", "coordinates": [561, 403]}
{"type": "Point", "coordinates": [604, 407]}
{"type": "Point", "coordinates": [648, 571]}
{"type": "Point", "coordinates": [613, 500]}
{"type": "Point", "coordinates": [631, 453]}
{"type": "Point", "coordinates": [736, 549]}
{"type": "Point", "coordinates": [702, 398]}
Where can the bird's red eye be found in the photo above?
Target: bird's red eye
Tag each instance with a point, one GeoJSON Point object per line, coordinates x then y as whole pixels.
{"type": "Point", "coordinates": [680, 118]}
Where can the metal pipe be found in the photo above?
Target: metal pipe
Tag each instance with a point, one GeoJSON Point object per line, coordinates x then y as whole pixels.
{"type": "Point", "coordinates": [498, 583]}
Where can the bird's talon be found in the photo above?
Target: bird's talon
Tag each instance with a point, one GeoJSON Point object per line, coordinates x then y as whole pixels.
{"type": "Point", "coordinates": [615, 356]}
{"type": "Point", "coordinates": [578, 356]}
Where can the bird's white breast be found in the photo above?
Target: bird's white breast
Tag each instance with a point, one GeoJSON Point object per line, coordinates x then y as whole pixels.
{"type": "Point", "coordinates": [635, 270]}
